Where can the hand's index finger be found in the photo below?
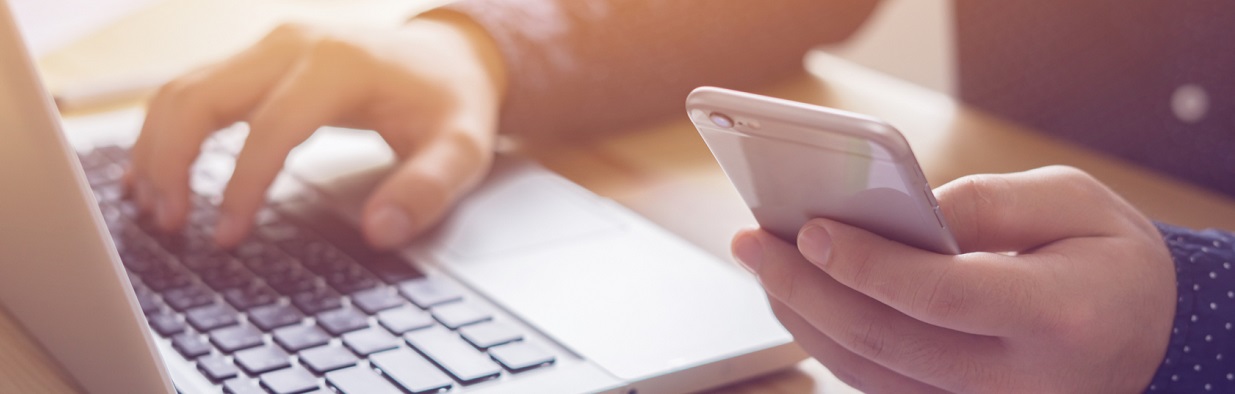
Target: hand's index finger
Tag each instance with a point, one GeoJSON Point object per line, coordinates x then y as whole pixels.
{"type": "Point", "coordinates": [978, 293]}
{"type": "Point", "coordinates": [310, 96]}
{"type": "Point", "coordinates": [190, 108]}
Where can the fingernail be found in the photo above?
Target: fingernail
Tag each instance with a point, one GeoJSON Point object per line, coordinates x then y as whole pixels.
{"type": "Point", "coordinates": [388, 226]}
{"type": "Point", "coordinates": [749, 251]}
{"type": "Point", "coordinates": [815, 244]}
{"type": "Point", "coordinates": [227, 230]}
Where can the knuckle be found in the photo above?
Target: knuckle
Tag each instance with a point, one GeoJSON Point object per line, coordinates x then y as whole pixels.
{"type": "Point", "coordinates": [860, 263]}
{"type": "Point", "coordinates": [980, 199]}
{"type": "Point", "coordinates": [1072, 325]}
{"type": "Point", "coordinates": [982, 191]}
{"type": "Point", "coordinates": [1074, 180]}
{"type": "Point", "coordinates": [471, 147]}
{"type": "Point", "coordinates": [173, 90]}
{"type": "Point", "coordinates": [290, 31]}
{"type": "Point", "coordinates": [330, 48]}
{"type": "Point", "coordinates": [783, 285]}
{"type": "Point", "coordinates": [942, 299]}
{"type": "Point", "coordinates": [867, 338]}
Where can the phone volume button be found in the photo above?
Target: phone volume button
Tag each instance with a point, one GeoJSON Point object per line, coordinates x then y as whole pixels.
{"type": "Point", "coordinates": [930, 195]}
{"type": "Point", "coordinates": [939, 217]}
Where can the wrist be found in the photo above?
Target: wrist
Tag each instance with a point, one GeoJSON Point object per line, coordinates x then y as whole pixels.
{"type": "Point", "coordinates": [481, 46]}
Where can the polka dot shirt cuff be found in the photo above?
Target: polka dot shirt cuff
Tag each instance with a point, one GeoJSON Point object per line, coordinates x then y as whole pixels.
{"type": "Point", "coordinates": [1201, 353]}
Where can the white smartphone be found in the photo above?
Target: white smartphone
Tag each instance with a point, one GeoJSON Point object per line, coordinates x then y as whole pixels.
{"type": "Point", "coordinates": [792, 162]}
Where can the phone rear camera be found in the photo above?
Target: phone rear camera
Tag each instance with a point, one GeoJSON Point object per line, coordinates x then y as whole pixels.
{"type": "Point", "coordinates": [721, 120]}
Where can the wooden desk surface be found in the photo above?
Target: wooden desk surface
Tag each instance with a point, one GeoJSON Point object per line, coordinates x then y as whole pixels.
{"type": "Point", "coordinates": [663, 171]}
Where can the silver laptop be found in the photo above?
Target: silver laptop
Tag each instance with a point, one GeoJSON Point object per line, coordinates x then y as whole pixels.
{"type": "Point", "coordinates": [532, 284]}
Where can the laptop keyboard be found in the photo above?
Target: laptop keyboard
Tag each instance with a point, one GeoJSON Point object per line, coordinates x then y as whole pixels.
{"type": "Point", "coordinates": [303, 304]}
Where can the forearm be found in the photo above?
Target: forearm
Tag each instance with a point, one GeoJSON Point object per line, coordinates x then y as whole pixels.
{"type": "Point", "coordinates": [583, 66]}
{"type": "Point", "coordinates": [1201, 354]}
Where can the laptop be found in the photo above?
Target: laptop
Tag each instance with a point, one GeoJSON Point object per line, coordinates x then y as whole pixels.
{"type": "Point", "coordinates": [532, 284]}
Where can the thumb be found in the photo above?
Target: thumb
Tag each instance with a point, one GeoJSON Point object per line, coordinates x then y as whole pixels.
{"type": "Point", "coordinates": [421, 190]}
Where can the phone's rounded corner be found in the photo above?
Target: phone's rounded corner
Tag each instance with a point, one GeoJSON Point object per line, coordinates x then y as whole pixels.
{"type": "Point", "coordinates": [702, 95]}
{"type": "Point", "coordinates": [886, 136]}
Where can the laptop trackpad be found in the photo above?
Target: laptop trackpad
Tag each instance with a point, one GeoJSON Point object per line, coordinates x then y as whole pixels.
{"type": "Point", "coordinates": [601, 281]}
{"type": "Point", "coordinates": [519, 208]}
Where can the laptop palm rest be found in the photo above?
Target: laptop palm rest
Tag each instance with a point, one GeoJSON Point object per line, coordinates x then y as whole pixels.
{"type": "Point", "coordinates": [603, 281]}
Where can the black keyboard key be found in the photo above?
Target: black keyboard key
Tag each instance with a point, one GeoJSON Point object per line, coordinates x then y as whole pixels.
{"type": "Point", "coordinates": [317, 300]}
{"type": "Point", "coordinates": [369, 341]}
{"type": "Point", "coordinates": [324, 359]}
{"type": "Point", "coordinates": [252, 295]}
{"type": "Point", "coordinates": [297, 338]}
{"type": "Point", "coordinates": [521, 356]}
{"type": "Point", "coordinates": [273, 316]}
{"type": "Point", "coordinates": [324, 222]}
{"type": "Point", "coordinates": [210, 317]}
{"type": "Point", "coordinates": [410, 371]}
{"type": "Point", "coordinates": [294, 380]}
{"type": "Point", "coordinates": [229, 275]}
{"type": "Point", "coordinates": [390, 268]}
{"type": "Point", "coordinates": [377, 299]}
{"type": "Point", "coordinates": [402, 320]}
{"type": "Point", "coordinates": [205, 261]}
{"type": "Point", "coordinates": [189, 241]}
{"type": "Point", "coordinates": [190, 345]}
{"type": "Point", "coordinates": [216, 368]}
{"type": "Point", "coordinates": [360, 381]}
{"type": "Point", "coordinates": [427, 292]}
{"type": "Point", "coordinates": [148, 300]}
{"type": "Point", "coordinates": [292, 281]}
{"type": "Point", "coordinates": [165, 324]}
{"type": "Point", "coordinates": [163, 277]}
{"type": "Point", "coordinates": [339, 321]}
{"type": "Point", "coordinates": [316, 215]}
{"type": "Point", "coordinates": [489, 334]}
{"type": "Point", "coordinates": [138, 254]}
{"type": "Point", "coordinates": [459, 314]}
{"type": "Point", "coordinates": [458, 358]}
{"type": "Point", "coordinates": [317, 256]}
{"type": "Point", "coordinates": [203, 213]}
{"type": "Point", "coordinates": [242, 386]}
{"type": "Point", "coordinates": [265, 259]}
{"type": "Point", "coordinates": [240, 337]}
{"type": "Point", "coordinates": [190, 296]}
{"type": "Point", "coordinates": [263, 359]}
{"type": "Point", "coordinates": [350, 279]}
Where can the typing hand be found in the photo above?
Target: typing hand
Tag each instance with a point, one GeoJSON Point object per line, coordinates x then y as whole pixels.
{"type": "Point", "coordinates": [1084, 305]}
{"type": "Point", "coordinates": [431, 88]}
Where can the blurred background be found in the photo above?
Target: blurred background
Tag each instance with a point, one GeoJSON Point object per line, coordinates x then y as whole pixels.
{"type": "Point", "coordinates": [909, 39]}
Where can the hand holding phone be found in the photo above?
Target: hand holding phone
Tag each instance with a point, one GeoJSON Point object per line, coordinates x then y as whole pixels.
{"type": "Point", "coordinates": [792, 162]}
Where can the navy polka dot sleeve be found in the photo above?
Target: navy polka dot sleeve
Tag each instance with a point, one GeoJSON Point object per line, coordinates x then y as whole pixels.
{"type": "Point", "coordinates": [1201, 354]}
